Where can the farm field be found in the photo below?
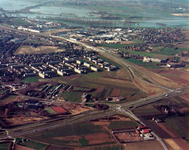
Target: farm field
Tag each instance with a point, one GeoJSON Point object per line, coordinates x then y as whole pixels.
{"type": "Point", "coordinates": [72, 96]}
{"type": "Point", "coordinates": [179, 125]}
{"type": "Point", "coordinates": [103, 84]}
{"type": "Point", "coordinates": [4, 146]}
{"type": "Point", "coordinates": [178, 76]}
{"type": "Point", "coordinates": [82, 134]}
{"type": "Point", "coordinates": [147, 145]}
{"type": "Point", "coordinates": [151, 110]}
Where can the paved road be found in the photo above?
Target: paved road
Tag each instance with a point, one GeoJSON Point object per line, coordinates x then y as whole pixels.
{"type": "Point", "coordinates": [121, 109]}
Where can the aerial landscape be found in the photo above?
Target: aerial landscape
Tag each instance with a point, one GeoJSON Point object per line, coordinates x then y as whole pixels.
{"type": "Point", "coordinates": [94, 75]}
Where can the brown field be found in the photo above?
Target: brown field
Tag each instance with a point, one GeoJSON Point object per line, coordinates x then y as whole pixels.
{"type": "Point", "coordinates": [115, 92]}
{"type": "Point", "coordinates": [161, 79]}
{"type": "Point", "coordinates": [181, 143]}
{"type": "Point", "coordinates": [61, 30]}
{"type": "Point", "coordinates": [19, 147]}
{"type": "Point", "coordinates": [100, 88]}
{"type": "Point", "coordinates": [98, 138]}
{"type": "Point", "coordinates": [178, 76]}
{"type": "Point", "coordinates": [38, 50]}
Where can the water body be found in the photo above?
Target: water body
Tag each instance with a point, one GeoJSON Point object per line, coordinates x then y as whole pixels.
{"type": "Point", "coordinates": [12, 5]}
{"type": "Point", "coordinates": [58, 10]}
{"type": "Point", "coordinates": [45, 11]}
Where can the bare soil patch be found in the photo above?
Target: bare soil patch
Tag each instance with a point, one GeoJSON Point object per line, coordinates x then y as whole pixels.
{"type": "Point", "coordinates": [128, 137]}
{"type": "Point", "coordinates": [23, 120]}
{"type": "Point", "coordinates": [76, 108]}
{"type": "Point", "coordinates": [37, 50]}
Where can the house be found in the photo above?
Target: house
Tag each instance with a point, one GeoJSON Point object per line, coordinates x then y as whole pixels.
{"type": "Point", "coordinates": [144, 131]}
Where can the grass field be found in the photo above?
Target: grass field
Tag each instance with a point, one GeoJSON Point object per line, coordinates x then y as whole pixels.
{"type": "Point", "coordinates": [30, 79]}
{"type": "Point", "coordinates": [93, 75]}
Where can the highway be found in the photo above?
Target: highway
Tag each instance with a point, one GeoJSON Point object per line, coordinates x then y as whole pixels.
{"type": "Point", "coordinates": [119, 60]}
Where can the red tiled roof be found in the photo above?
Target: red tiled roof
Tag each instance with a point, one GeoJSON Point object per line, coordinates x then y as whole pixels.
{"type": "Point", "coordinates": [59, 109]}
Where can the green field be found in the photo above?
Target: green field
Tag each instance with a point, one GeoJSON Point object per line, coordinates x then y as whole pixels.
{"type": "Point", "coordinates": [4, 146]}
{"type": "Point", "coordinates": [33, 145]}
{"type": "Point", "coordinates": [122, 125]}
{"type": "Point", "coordinates": [30, 80]}
{"type": "Point", "coordinates": [92, 75]}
